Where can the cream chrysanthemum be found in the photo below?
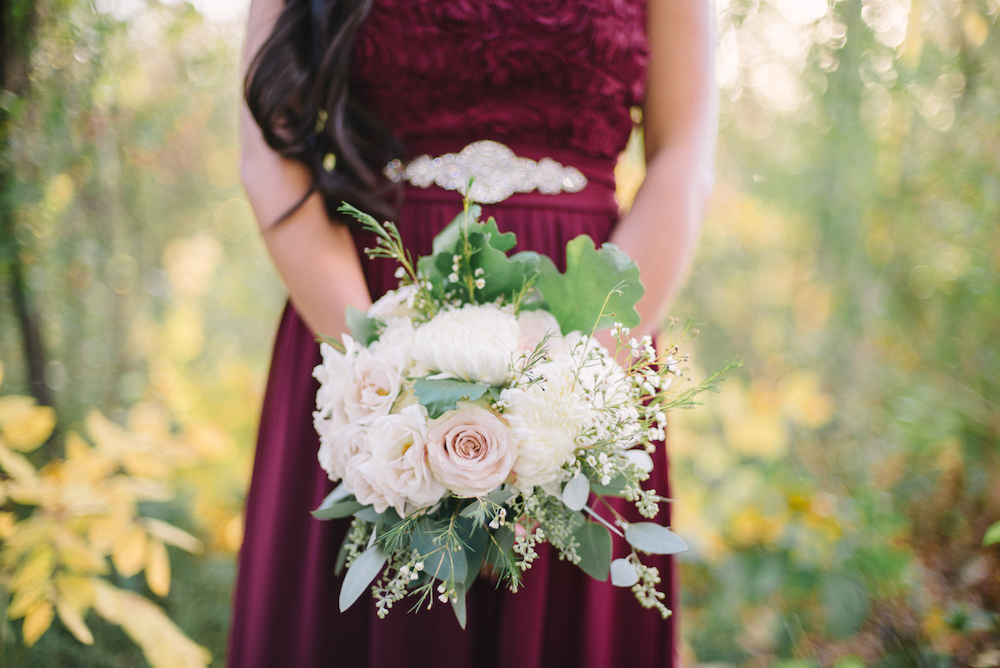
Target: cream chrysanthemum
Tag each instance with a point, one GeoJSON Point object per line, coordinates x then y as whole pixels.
{"type": "Point", "coordinates": [546, 418]}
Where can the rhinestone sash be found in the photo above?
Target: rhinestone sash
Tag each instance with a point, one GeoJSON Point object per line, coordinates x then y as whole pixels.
{"type": "Point", "coordinates": [496, 171]}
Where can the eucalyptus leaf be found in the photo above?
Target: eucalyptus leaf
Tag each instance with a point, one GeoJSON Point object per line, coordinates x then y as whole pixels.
{"type": "Point", "coordinates": [654, 539]}
{"type": "Point", "coordinates": [500, 547]}
{"type": "Point", "coordinates": [476, 545]}
{"type": "Point", "coordinates": [501, 497]}
{"type": "Point", "coordinates": [576, 298]}
{"type": "Point", "coordinates": [623, 573]}
{"type": "Point", "coordinates": [458, 605]}
{"type": "Point", "coordinates": [361, 574]}
{"type": "Point", "coordinates": [368, 514]}
{"type": "Point", "coordinates": [439, 561]}
{"type": "Point", "coordinates": [344, 508]}
{"type": "Point", "coordinates": [471, 509]}
{"type": "Point", "coordinates": [339, 493]}
{"type": "Point", "coordinates": [576, 492]}
{"type": "Point", "coordinates": [615, 487]}
{"type": "Point", "coordinates": [594, 550]}
{"type": "Point", "coordinates": [364, 330]}
{"type": "Point", "coordinates": [641, 459]}
{"type": "Point", "coordinates": [443, 394]}
{"type": "Point", "coordinates": [338, 566]}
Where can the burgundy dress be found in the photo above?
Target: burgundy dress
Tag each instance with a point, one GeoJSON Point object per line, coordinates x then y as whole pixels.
{"type": "Point", "coordinates": [552, 78]}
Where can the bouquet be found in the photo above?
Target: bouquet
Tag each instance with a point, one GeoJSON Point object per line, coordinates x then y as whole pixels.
{"type": "Point", "coordinates": [471, 415]}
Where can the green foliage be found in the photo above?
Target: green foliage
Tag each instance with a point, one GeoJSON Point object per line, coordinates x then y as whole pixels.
{"type": "Point", "coordinates": [443, 394]}
{"type": "Point", "coordinates": [364, 330]}
{"type": "Point", "coordinates": [599, 288]}
{"type": "Point", "coordinates": [992, 536]}
{"type": "Point", "coordinates": [594, 550]}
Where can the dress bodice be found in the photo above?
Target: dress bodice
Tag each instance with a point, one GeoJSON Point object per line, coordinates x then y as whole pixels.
{"type": "Point", "coordinates": [553, 73]}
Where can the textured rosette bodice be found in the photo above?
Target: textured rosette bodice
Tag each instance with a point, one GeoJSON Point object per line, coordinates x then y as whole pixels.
{"type": "Point", "coordinates": [554, 73]}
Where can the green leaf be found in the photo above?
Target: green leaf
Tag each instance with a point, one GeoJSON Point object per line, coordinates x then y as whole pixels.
{"type": "Point", "coordinates": [364, 330]}
{"type": "Point", "coordinates": [471, 509]}
{"type": "Point", "coordinates": [654, 539]}
{"type": "Point", "coordinates": [576, 492]}
{"type": "Point", "coordinates": [338, 566]}
{"type": "Point", "coordinates": [502, 241]}
{"type": "Point", "coordinates": [623, 573]}
{"type": "Point", "coordinates": [458, 605]}
{"type": "Point", "coordinates": [504, 276]}
{"type": "Point", "coordinates": [344, 508]}
{"type": "Point", "coordinates": [368, 514]}
{"type": "Point", "coordinates": [443, 394]}
{"type": "Point", "coordinates": [501, 497]}
{"type": "Point", "coordinates": [439, 561]}
{"type": "Point", "coordinates": [500, 548]}
{"type": "Point", "coordinates": [446, 242]}
{"type": "Point", "coordinates": [592, 276]}
{"type": "Point", "coordinates": [594, 550]}
{"type": "Point", "coordinates": [361, 573]}
{"type": "Point", "coordinates": [992, 536]}
{"type": "Point", "coordinates": [614, 488]}
{"type": "Point", "coordinates": [475, 550]}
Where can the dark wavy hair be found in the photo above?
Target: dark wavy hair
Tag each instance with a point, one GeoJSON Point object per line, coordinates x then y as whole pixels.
{"type": "Point", "coordinates": [298, 90]}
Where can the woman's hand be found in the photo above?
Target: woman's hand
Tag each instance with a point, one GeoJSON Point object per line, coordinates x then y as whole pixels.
{"type": "Point", "coordinates": [317, 260]}
{"type": "Point", "coordinates": [680, 120]}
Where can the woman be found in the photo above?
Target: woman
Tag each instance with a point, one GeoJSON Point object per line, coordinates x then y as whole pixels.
{"type": "Point", "coordinates": [547, 78]}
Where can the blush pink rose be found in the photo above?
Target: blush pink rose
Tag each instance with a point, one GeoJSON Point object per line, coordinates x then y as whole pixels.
{"type": "Point", "coordinates": [470, 450]}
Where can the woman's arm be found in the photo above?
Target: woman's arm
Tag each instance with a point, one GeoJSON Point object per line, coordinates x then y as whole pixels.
{"type": "Point", "coordinates": [680, 122]}
{"type": "Point", "coordinates": [317, 260]}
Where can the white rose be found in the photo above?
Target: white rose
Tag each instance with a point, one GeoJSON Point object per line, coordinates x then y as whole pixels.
{"type": "Point", "coordinates": [376, 383]}
{"type": "Point", "coordinates": [546, 418]}
{"type": "Point", "coordinates": [476, 343]}
{"type": "Point", "coordinates": [397, 336]}
{"type": "Point", "coordinates": [470, 450]}
{"type": "Point", "coordinates": [336, 448]}
{"type": "Point", "coordinates": [395, 304]}
{"type": "Point", "coordinates": [398, 470]}
{"type": "Point", "coordinates": [356, 386]}
{"type": "Point", "coordinates": [534, 326]}
{"type": "Point", "coordinates": [358, 480]}
{"type": "Point", "coordinates": [336, 377]}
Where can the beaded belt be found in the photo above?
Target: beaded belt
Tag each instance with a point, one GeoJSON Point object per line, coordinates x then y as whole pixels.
{"type": "Point", "coordinates": [496, 173]}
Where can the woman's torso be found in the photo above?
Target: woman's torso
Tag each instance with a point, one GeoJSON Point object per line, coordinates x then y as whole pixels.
{"type": "Point", "coordinates": [548, 73]}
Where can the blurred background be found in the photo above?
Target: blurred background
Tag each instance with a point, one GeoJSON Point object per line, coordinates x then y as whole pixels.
{"type": "Point", "coordinates": [835, 495]}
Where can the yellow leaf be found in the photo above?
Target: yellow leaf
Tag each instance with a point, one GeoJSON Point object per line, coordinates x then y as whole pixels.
{"type": "Point", "coordinates": [171, 535]}
{"type": "Point", "coordinates": [158, 568]}
{"type": "Point", "coordinates": [25, 425]}
{"type": "Point", "coordinates": [8, 525]}
{"type": "Point", "coordinates": [35, 570]}
{"type": "Point", "coordinates": [72, 619]}
{"type": "Point", "coordinates": [109, 438]}
{"type": "Point", "coordinates": [146, 464]}
{"type": "Point", "coordinates": [36, 623]}
{"type": "Point", "coordinates": [104, 529]}
{"type": "Point", "coordinates": [142, 489]}
{"type": "Point", "coordinates": [163, 644]}
{"type": "Point", "coordinates": [77, 592]}
{"type": "Point", "coordinates": [1, 373]}
{"type": "Point", "coordinates": [24, 600]}
{"type": "Point", "coordinates": [16, 465]}
{"type": "Point", "coordinates": [77, 556]}
{"type": "Point", "coordinates": [129, 551]}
